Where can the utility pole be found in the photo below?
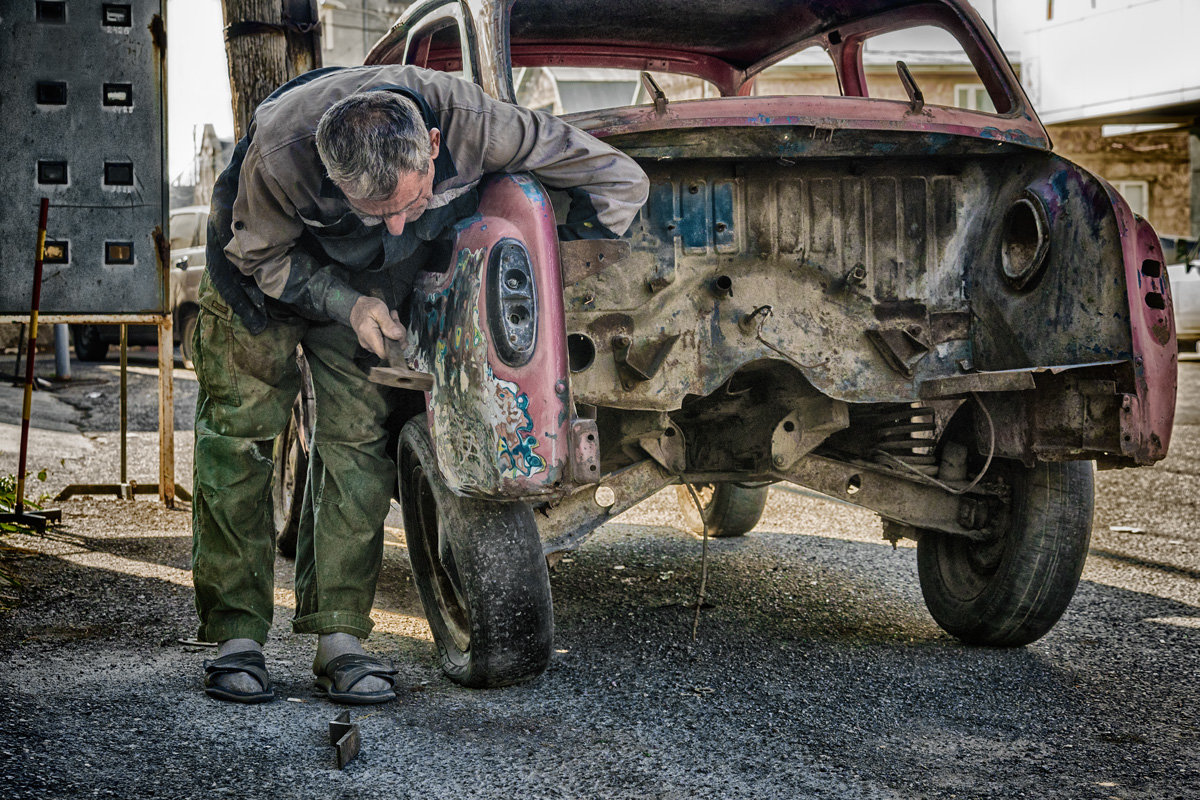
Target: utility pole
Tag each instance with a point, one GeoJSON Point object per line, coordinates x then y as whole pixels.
{"type": "Point", "coordinates": [267, 42]}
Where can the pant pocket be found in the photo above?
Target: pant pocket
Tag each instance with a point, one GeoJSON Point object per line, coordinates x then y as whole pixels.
{"type": "Point", "coordinates": [216, 369]}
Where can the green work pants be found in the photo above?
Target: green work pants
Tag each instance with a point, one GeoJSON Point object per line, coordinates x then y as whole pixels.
{"type": "Point", "coordinates": [247, 386]}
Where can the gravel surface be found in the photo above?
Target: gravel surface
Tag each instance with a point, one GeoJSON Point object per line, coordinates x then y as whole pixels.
{"type": "Point", "coordinates": [817, 671]}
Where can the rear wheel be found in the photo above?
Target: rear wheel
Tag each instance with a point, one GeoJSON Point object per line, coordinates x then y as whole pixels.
{"type": "Point", "coordinates": [1010, 591]}
{"type": "Point", "coordinates": [88, 344]}
{"type": "Point", "coordinates": [730, 509]}
{"type": "Point", "coordinates": [479, 569]}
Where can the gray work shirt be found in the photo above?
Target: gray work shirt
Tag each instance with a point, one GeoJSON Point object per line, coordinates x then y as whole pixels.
{"type": "Point", "coordinates": [284, 194]}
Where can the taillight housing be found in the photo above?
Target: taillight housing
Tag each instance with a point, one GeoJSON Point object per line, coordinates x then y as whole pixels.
{"type": "Point", "coordinates": [512, 303]}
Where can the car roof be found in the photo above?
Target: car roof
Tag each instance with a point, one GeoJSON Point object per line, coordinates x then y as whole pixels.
{"type": "Point", "coordinates": [739, 34]}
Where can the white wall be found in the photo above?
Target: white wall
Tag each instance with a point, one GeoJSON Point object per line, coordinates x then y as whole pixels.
{"type": "Point", "coordinates": [1103, 57]}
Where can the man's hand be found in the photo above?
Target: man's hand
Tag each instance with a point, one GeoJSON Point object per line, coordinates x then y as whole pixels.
{"type": "Point", "coordinates": [372, 321]}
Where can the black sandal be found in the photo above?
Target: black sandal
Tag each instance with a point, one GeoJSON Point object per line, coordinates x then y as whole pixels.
{"type": "Point", "coordinates": [343, 673]}
{"type": "Point", "coordinates": [250, 662]}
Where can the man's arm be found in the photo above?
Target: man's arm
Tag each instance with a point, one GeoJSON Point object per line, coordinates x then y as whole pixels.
{"type": "Point", "coordinates": [607, 187]}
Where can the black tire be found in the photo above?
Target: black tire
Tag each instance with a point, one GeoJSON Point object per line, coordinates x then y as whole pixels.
{"type": "Point", "coordinates": [187, 330]}
{"type": "Point", "coordinates": [88, 344]}
{"type": "Point", "coordinates": [730, 509]}
{"type": "Point", "coordinates": [291, 464]}
{"type": "Point", "coordinates": [1011, 591]}
{"type": "Point", "coordinates": [479, 569]}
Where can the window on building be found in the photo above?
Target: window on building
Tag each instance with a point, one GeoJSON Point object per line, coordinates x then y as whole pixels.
{"type": "Point", "coordinates": [1137, 194]}
{"type": "Point", "coordinates": [974, 97]}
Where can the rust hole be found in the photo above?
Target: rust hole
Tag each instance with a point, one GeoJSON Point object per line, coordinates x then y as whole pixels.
{"type": "Point", "coordinates": [581, 352]}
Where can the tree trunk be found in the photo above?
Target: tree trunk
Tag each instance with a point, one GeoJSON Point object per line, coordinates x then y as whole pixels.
{"type": "Point", "coordinates": [263, 53]}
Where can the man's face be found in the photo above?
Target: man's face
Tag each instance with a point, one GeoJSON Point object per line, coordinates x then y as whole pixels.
{"type": "Point", "coordinates": [408, 201]}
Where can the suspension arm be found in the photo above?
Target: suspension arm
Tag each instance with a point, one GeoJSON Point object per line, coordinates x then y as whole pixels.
{"type": "Point", "coordinates": [895, 496]}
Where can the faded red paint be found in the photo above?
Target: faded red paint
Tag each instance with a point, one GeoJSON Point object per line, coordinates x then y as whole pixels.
{"type": "Point", "coordinates": [516, 207]}
{"type": "Point", "coordinates": [822, 113]}
{"type": "Point", "coordinates": [1147, 418]}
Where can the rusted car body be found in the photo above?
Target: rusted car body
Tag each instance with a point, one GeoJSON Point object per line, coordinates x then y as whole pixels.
{"type": "Point", "coordinates": [909, 306]}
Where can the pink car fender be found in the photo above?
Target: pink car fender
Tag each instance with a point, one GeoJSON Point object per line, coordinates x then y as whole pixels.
{"type": "Point", "coordinates": [490, 330]}
{"type": "Point", "coordinates": [1147, 416]}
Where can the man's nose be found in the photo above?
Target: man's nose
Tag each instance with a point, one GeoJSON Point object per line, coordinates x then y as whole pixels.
{"type": "Point", "coordinates": [395, 224]}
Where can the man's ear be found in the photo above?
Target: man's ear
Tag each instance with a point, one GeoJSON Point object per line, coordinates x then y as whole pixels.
{"type": "Point", "coordinates": [435, 142]}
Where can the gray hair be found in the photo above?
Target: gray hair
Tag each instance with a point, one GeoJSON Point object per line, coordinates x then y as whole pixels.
{"type": "Point", "coordinates": [367, 139]}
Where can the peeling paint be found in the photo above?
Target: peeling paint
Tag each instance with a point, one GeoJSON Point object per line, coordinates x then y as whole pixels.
{"type": "Point", "coordinates": [482, 428]}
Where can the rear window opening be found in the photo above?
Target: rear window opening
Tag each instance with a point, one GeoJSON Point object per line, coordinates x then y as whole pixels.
{"type": "Point", "coordinates": [575, 90]}
{"type": "Point", "coordinates": [941, 68]}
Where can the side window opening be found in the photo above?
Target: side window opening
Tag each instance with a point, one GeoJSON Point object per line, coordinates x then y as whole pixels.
{"type": "Point", "coordinates": [440, 46]}
{"type": "Point", "coordinates": [183, 230]}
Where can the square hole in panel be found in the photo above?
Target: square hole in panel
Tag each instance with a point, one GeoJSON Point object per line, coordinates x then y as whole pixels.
{"type": "Point", "coordinates": [51, 10]}
{"type": "Point", "coordinates": [117, 15]}
{"type": "Point", "coordinates": [118, 94]}
{"type": "Point", "coordinates": [118, 173]}
{"type": "Point", "coordinates": [118, 252]}
{"type": "Point", "coordinates": [52, 93]}
{"type": "Point", "coordinates": [56, 252]}
{"type": "Point", "coordinates": [52, 172]}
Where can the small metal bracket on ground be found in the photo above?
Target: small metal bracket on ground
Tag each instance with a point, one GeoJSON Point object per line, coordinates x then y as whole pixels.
{"type": "Point", "coordinates": [344, 735]}
{"type": "Point", "coordinates": [38, 520]}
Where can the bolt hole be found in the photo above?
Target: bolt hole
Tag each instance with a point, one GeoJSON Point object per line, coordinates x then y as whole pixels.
{"type": "Point", "coordinates": [669, 432]}
{"type": "Point", "coordinates": [854, 485]}
{"type": "Point", "coordinates": [789, 426]}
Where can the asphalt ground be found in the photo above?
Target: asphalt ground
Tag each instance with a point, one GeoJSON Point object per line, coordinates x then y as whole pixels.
{"type": "Point", "coordinates": [816, 671]}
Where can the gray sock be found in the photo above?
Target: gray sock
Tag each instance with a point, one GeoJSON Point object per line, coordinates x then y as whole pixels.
{"type": "Point", "coordinates": [237, 681]}
{"type": "Point", "coordinates": [332, 645]}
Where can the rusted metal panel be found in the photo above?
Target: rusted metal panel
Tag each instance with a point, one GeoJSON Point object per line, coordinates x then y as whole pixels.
{"type": "Point", "coordinates": [897, 498]}
{"type": "Point", "coordinates": [823, 249]}
{"type": "Point", "coordinates": [567, 523]}
{"type": "Point", "coordinates": [85, 128]}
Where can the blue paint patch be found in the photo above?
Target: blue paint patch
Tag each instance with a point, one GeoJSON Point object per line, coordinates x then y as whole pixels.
{"type": "Point", "coordinates": [715, 334]}
{"type": "Point", "coordinates": [694, 215]}
{"type": "Point", "coordinates": [521, 457]}
{"type": "Point", "coordinates": [467, 222]}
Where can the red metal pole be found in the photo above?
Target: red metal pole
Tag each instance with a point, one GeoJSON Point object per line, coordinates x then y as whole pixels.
{"type": "Point", "coordinates": [43, 213]}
